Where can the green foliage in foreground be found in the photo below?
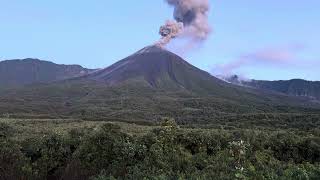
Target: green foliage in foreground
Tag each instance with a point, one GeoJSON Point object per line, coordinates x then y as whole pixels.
{"type": "Point", "coordinates": [167, 152]}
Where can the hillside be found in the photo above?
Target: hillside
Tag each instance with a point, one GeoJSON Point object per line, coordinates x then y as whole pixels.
{"type": "Point", "coordinates": [294, 87]}
{"type": "Point", "coordinates": [15, 73]}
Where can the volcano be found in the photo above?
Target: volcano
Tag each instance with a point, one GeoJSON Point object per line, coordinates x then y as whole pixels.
{"type": "Point", "coordinates": [159, 68]}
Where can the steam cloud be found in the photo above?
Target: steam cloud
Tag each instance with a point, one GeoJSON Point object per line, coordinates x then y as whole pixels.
{"type": "Point", "coordinates": [279, 56]}
{"type": "Point", "coordinates": [191, 20]}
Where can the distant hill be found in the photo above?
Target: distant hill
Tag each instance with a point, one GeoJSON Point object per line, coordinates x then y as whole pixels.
{"type": "Point", "coordinates": [150, 84]}
{"type": "Point", "coordinates": [294, 87]}
{"type": "Point", "coordinates": [28, 71]}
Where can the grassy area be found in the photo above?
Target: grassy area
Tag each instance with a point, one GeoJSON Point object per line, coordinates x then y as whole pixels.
{"type": "Point", "coordinates": [134, 102]}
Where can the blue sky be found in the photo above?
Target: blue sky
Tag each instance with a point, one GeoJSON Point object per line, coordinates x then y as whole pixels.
{"type": "Point", "coordinates": [267, 39]}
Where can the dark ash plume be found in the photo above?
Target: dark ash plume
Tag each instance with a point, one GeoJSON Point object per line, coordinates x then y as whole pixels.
{"type": "Point", "coordinates": [169, 31]}
{"type": "Point", "coordinates": [192, 15]}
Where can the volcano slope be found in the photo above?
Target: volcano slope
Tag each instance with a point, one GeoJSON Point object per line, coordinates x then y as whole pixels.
{"type": "Point", "coordinates": [154, 83]}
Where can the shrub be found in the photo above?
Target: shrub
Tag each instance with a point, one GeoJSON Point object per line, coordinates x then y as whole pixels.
{"type": "Point", "coordinates": [48, 155]}
{"type": "Point", "coordinates": [5, 130]}
{"type": "Point", "coordinates": [13, 164]}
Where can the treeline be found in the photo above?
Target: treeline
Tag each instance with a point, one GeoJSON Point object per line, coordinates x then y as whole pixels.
{"type": "Point", "coordinates": [167, 152]}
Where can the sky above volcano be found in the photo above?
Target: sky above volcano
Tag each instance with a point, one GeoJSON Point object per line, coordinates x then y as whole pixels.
{"type": "Point", "coordinates": [266, 39]}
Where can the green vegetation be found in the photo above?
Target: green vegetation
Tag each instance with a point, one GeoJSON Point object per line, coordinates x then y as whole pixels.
{"type": "Point", "coordinates": [97, 150]}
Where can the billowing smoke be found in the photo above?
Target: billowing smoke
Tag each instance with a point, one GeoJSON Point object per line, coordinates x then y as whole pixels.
{"type": "Point", "coordinates": [191, 20]}
{"type": "Point", "coordinates": [169, 31]}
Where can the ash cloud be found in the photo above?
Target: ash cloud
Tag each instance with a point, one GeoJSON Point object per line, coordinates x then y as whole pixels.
{"type": "Point", "coordinates": [169, 31]}
{"type": "Point", "coordinates": [191, 21]}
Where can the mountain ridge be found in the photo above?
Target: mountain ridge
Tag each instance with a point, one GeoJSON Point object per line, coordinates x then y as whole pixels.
{"type": "Point", "coordinates": [20, 72]}
{"type": "Point", "coordinates": [293, 87]}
